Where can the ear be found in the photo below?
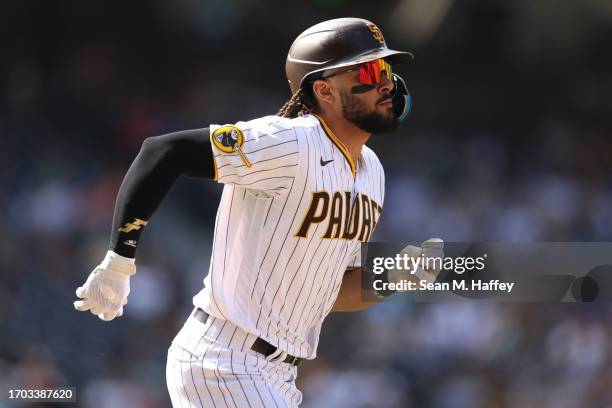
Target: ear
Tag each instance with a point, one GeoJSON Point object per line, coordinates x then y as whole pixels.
{"type": "Point", "coordinates": [324, 91]}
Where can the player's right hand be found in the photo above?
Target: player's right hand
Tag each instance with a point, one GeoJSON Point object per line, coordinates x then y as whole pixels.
{"type": "Point", "coordinates": [105, 291]}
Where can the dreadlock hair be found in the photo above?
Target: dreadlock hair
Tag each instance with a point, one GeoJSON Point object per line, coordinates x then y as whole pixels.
{"type": "Point", "coordinates": [302, 102]}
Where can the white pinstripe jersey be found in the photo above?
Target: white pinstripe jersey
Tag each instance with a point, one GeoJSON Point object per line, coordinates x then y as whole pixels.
{"type": "Point", "coordinates": [293, 213]}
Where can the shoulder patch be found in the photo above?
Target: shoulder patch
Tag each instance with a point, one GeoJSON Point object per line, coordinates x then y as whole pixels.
{"type": "Point", "coordinates": [229, 139]}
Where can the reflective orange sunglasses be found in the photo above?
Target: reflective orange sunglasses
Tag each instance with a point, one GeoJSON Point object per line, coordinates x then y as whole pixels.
{"type": "Point", "coordinates": [370, 73]}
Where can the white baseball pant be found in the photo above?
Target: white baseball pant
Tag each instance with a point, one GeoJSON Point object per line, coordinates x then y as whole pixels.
{"type": "Point", "coordinates": [212, 365]}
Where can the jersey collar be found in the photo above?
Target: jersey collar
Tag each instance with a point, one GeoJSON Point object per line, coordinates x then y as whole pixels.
{"type": "Point", "coordinates": [338, 144]}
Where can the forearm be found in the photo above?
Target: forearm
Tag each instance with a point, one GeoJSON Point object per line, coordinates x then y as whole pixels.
{"type": "Point", "coordinates": [351, 295]}
{"type": "Point", "coordinates": [160, 162]}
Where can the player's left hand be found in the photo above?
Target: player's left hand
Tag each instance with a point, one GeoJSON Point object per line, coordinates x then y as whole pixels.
{"type": "Point", "coordinates": [432, 249]}
{"type": "Point", "coordinates": [105, 291]}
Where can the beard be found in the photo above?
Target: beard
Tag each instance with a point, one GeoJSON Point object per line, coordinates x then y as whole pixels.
{"type": "Point", "coordinates": [355, 111]}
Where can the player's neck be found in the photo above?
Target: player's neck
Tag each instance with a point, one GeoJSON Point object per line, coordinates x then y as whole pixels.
{"type": "Point", "coordinates": [352, 137]}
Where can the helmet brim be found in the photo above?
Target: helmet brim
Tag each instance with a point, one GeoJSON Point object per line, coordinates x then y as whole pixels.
{"type": "Point", "coordinates": [392, 56]}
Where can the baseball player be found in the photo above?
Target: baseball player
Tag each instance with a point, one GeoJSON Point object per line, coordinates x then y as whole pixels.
{"type": "Point", "coordinates": [301, 193]}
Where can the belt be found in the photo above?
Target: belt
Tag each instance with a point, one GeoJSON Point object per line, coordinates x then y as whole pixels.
{"type": "Point", "coordinates": [260, 345]}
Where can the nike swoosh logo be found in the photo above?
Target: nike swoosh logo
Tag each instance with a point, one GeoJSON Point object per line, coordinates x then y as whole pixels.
{"type": "Point", "coordinates": [325, 162]}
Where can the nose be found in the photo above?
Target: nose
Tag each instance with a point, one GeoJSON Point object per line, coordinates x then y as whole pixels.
{"type": "Point", "coordinates": [386, 85]}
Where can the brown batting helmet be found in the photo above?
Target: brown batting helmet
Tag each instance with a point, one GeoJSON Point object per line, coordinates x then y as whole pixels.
{"type": "Point", "coordinates": [337, 43]}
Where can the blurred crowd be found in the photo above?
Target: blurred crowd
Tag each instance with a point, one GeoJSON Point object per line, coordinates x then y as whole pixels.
{"type": "Point", "coordinates": [510, 140]}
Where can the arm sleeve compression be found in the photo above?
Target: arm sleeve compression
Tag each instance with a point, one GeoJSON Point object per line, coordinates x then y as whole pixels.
{"type": "Point", "coordinates": [160, 162]}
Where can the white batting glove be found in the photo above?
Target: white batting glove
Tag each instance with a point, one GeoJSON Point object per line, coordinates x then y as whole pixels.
{"type": "Point", "coordinates": [106, 289]}
{"type": "Point", "coordinates": [432, 249]}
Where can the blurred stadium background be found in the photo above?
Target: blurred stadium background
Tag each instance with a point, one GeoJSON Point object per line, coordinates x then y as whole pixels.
{"type": "Point", "coordinates": [510, 140]}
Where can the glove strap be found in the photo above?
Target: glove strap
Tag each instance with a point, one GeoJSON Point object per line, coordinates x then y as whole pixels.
{"type": "Point", "coordinates": [118, 263]}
